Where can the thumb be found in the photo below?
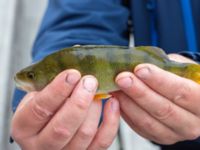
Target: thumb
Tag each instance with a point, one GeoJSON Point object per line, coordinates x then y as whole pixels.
{"type": "Point", "coordinates": [180, 58]}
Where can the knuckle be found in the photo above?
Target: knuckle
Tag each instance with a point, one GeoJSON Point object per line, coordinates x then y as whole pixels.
{"type": "Point", "coordinates": [87, 132]}
{"type": "Point", "coordinates": [60, 132]}
{"type": "Point", "coordinates": [140, 93]}
{"type": "Point", "coordinates": [40, 112]}
{"type": "Point", "coordinates": [183, 92]}
{"type": "Point", "coordinates": [165, 112]}
{"type": "Point", "coordinates": [82, 103]}
{"type": "Point", "coordinates": [27, 99]}
{"type": "Point", "coordinates": [147, 124]}
{"type": "Point", "coordinates": [105, 144]}
{"type": "Point", "coordinates": [55, 92]}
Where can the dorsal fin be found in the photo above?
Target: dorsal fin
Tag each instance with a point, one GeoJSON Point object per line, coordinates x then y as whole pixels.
{"type": "Point", "coordinates": [152, 50]}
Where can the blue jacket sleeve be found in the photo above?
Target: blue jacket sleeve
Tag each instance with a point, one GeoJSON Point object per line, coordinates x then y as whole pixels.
{"type": "Point", "coordinates": [68, 22]}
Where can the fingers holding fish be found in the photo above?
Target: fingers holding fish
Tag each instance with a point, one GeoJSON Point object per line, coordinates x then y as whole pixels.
{"type": "Point", "coordinates": [60, 109]}
{"type": "Point", "coordinates": [159, 107]}
{"type": "Point", "coordinates": [56, 93]}
{"type": "Point", "coordinates": [64, 110]}
{"type": "Point", "coordinates": [41, 106]}
{"type": "Point", "coordinates": [181, 91]}
{"type": "Point", "coordinates": [38, 108]}
{"type": "Point", "coordinates": [108, 129]}
{"type": "Point", "coordinates": [69, 118]}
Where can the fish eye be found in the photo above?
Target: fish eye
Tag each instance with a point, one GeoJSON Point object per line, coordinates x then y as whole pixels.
{"type": "Point", "coordinates": [31, 75]}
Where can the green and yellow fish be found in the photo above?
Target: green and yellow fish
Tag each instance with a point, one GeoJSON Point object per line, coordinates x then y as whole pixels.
{"type": "Point", "coordinates": [104, 62]}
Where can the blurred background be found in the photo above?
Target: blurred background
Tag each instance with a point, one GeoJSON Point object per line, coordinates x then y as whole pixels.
{"type": "Point", "coordinates": [19, 22]}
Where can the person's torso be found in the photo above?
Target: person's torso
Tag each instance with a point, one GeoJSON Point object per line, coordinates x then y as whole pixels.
{"type": "Point", "coordinates": [170, 24]}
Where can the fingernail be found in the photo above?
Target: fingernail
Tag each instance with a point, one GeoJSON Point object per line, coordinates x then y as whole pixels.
{"type": "Point", "coordinates": [90, 84]}
{"type": "Point", "coordinates": [114, 105]}
{"type": "Point", "coordinates": [143, 72]}
{"type": "Point", "coordinates": [72, 78]}
{"type": "Point", "coordinates": [125, 82]}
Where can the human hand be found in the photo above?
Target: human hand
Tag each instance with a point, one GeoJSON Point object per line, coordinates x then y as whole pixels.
{"type": "Point", "coordinates": [160, 105]}
{"type": "Point", "coordinates": [63, 116]}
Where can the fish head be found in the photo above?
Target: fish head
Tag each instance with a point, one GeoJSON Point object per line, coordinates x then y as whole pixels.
{"type": "Point", "coordinates": [25, 79]}
{"type": "Point", "coordinates": [31, 78]}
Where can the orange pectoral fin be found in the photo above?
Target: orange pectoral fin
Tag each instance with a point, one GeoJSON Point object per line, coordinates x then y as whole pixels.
{"type": "Point", "coordinates": [102, 96]}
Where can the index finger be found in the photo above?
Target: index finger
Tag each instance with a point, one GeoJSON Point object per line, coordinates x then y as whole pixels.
{"type": "Point", "coordinates": [32, 116]}
{"type": "Point", "coordinates": [181, 91]}
{"type": "Point", "coordinates": [68, 119]}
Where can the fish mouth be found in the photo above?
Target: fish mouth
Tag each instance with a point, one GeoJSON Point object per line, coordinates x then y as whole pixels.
{"type": "Point", "coordinates": [25, 86]}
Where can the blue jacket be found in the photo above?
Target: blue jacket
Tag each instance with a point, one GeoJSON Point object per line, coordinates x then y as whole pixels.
{"type": "Point", "coordinates": [173, 25]}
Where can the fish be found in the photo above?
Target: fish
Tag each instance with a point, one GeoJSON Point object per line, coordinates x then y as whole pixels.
{"type": "Point", "coordinates": [102, 61]}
